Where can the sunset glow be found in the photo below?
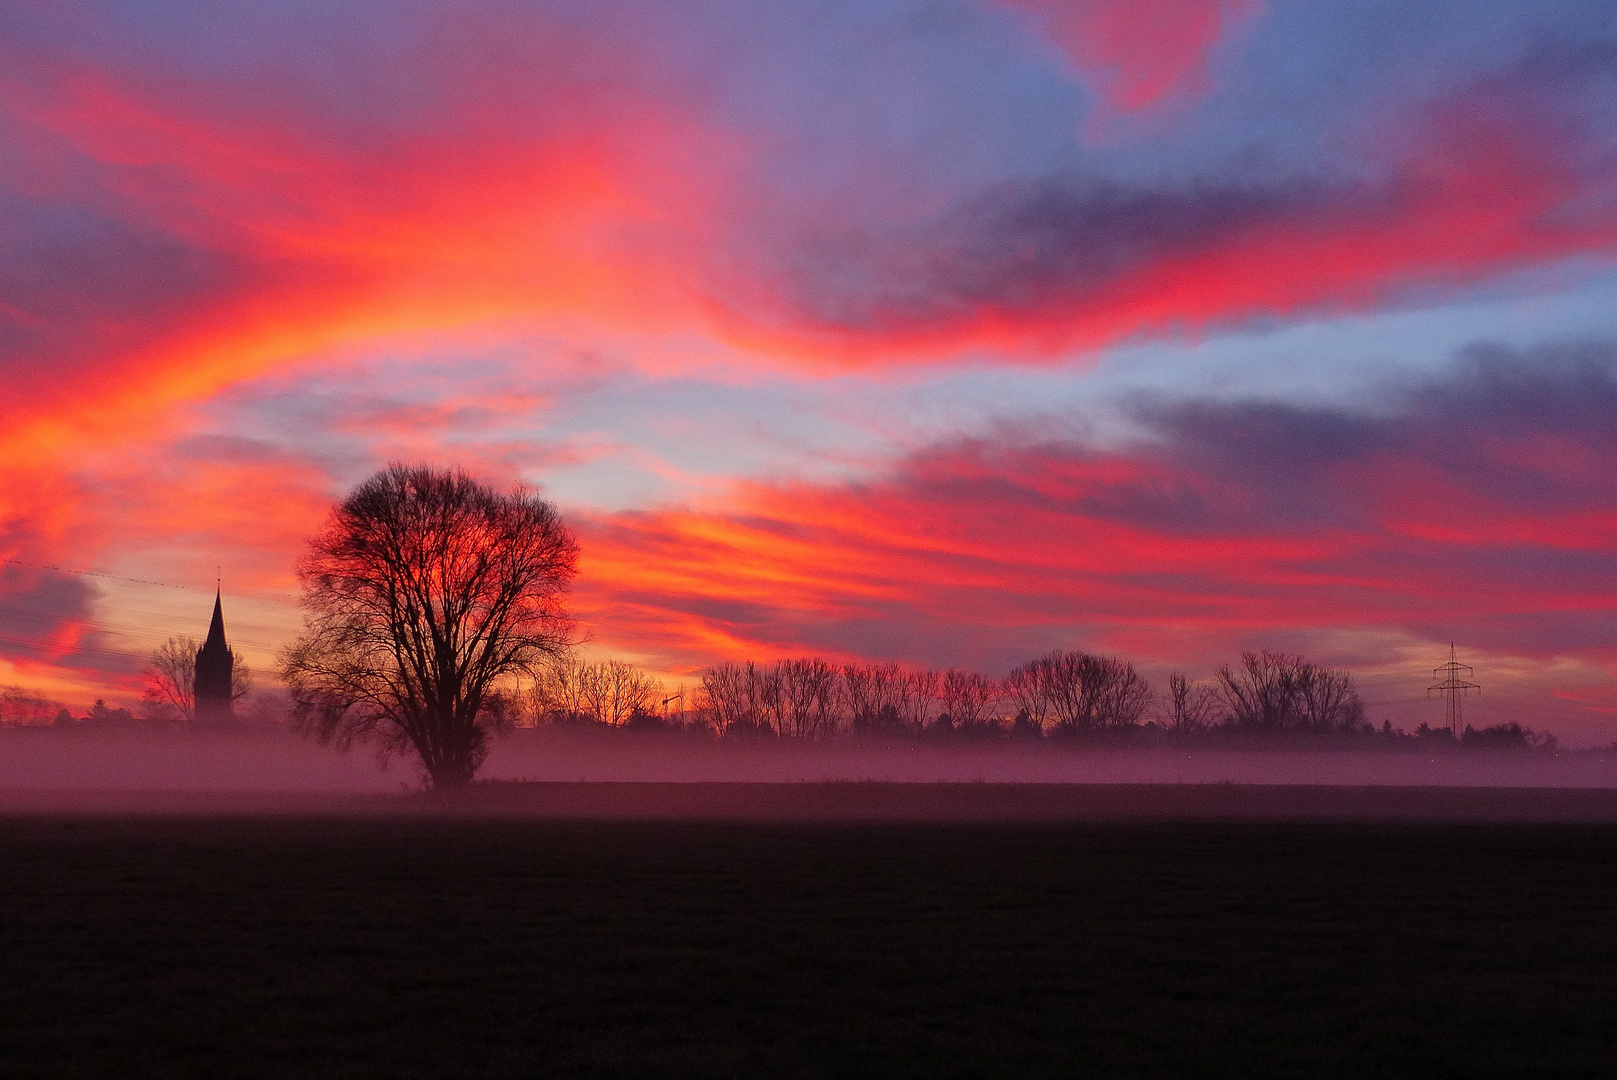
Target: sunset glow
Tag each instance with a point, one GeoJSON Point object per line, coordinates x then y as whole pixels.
{"type": "Point", "coordinates": [946, 333]}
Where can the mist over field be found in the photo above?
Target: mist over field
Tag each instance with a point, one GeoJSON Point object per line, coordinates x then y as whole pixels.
{"type": "Point", "coordinates": [270, 758]}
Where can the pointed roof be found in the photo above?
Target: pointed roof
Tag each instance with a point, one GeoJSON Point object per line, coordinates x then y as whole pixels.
{"type": "Point", "coordinates": [216, 630]}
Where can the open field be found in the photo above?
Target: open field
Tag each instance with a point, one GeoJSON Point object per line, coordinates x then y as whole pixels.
{"type": "Point", "coordinates": [864, 801]}
{"type": "Point", "coordinates": [421, 938]}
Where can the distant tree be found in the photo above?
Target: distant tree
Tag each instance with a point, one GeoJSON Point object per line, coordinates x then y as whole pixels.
{"type": "Point", "coordinates": [20, 706]}
{"type": "Point", "coordinates": [722, 697]}
{"type": "Point", "coordinates": [1283, 692]}
{"type": "Point", "coordinates": [968, 699]}
{"type": "Point", "coordinates": [1262, 693]}
{"type": "Point", "coordinates": [1080, 691]}
{"type": "Point", "coordinates": [614, 691]}
{"type": "Point", "coordinates": [920, 697]}
{"type": "Point", "coordinates": [1025, 726]}
{"type": "Point", "coordinates": [1028, 688]}
{"type": "Point", "coordinates": [864, 689]}
{"type": "Point", "coordinates": [425, 595]}
{"type": "Point", "coordinates": [1191, 706]}
{"type": "Point", "coordinates": [557, 692]}
{"type": "Point", "coordinates": [1326, 700]}
{"type": "Point", "coordinates": [1510, 736]}
{"type": "Point", "coordinates": [171, 679]}
{"type": "Point", "coordinates": [808, 697]}
{"type": "Point", "coordinates": [876, 697]}
{"type": "Point", "coordinates": [761, 685]}
{"type": "Point", "coordinates": [103, 715]}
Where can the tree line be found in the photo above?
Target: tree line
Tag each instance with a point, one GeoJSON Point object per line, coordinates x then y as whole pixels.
{"type": "Point", "coordinates": [435, 611]}
{"type": "Point", "coordinates": [1060, 693]}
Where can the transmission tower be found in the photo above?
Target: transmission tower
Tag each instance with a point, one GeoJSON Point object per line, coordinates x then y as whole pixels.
{"type": "Point", "coordinates": [1453, 686]}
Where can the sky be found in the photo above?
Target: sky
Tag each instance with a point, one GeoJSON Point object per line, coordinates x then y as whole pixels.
{"type": "Point", "coordinates": [947, 332]}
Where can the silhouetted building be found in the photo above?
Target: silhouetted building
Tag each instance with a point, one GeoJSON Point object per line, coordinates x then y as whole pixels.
{"type": "Point", "coordinates": [215, 666]}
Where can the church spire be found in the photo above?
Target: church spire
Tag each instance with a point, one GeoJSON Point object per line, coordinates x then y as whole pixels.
{"type": "Point", "coordinates": [215, 666]}
{"type": "Point", "coordinates": [216, 630]}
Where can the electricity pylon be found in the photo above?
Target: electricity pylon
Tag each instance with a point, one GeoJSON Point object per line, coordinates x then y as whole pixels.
{"type": "Point", "coordinates": [1453, 687]}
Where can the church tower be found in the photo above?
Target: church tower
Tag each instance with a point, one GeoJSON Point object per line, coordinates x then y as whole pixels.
{"type": "Point", "coordinates": [215, 664]}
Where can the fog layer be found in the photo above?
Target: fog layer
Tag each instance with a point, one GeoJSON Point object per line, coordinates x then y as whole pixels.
{"type": "Point", "coordinates": [270, 758]}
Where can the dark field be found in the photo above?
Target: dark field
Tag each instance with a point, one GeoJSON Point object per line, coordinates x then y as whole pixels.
{"type": "Point", "coordinates": [432, 944]}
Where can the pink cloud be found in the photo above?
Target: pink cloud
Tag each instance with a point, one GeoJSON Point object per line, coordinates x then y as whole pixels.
{"type": "Point", "coordinates": [1238, 526]}
{"type": "Point", "coordinates": [1139, 55]}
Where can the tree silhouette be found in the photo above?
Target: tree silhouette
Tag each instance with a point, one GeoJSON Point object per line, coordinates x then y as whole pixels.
{"type": "Point", "coordinates": [1079, 691]}
{"type": "Point", "coordinates": [425, 596]}
{"type": "Point", "coordinates": [20, 706]}
{"type": "Point", "coordinates": [1273, 691]}
{"type": "Point", "coordinates": [968, 700]}
{"type": "Point", "coordinates": [808, 697]}
{"type": "Point", "coordinates": [609, 692]}
{"type": "Point", "coordinates": [1191, 706]}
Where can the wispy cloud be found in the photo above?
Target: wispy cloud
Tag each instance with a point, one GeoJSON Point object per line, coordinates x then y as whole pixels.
{"type": "Point", "coordinates": [1479, 507]}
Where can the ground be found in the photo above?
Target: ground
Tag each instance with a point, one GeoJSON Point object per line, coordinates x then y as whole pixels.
{"type": "Point", "coordinates": [423, 943]}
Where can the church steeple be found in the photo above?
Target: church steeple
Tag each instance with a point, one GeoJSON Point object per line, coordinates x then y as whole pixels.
{"type": "Point", "coordinates": [216, 630]}
{"type": "Point", "coordinates": [215, 664]}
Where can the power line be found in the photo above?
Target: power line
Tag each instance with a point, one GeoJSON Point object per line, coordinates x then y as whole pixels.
{"type": "Point", "coordinates": [119, 629]}
{"type": "Point", "coordinates": [95, 573]}
{"type": "Point", "coordinates": [54, 652]}
{"type": "Point", "coordinates": [112, 577]}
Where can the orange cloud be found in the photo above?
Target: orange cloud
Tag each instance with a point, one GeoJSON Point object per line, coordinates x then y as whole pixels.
{"type": "Point", "coordinates": [266, 238]}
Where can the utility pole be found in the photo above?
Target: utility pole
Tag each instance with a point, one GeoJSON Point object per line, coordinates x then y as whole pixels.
{"type": "Point", "coordinates": [1453, 685]}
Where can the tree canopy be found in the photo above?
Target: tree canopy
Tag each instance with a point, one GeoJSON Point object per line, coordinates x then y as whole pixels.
{"type": "Point", "coordinates": [425, 596]}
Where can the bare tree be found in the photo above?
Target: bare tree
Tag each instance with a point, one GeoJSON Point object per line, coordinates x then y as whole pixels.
{"type": "Point", "coordinates": [859, 694]}
{"type": "Point", "coordinates": [1028, 688]}
{"type": "Point", "coordinates": [968, 698]}
{"type": "Point", "coordinates": [1079, 691]}
{"type": "Point", "coordinates": [1326, 700]}
{"type": "Point", "coordinates": [557, 693]}
{"type": "Point", "coordinates": [920, 692]}
{"type": "Point", "coordinates": [171, 679]}
{"type": "Point", "coordinates": [1192, 706]}
{"type": "Point", "coordinates": [808, 697]}
{"type": "Point", "coordinates": [1282, 692]}
{"type": "Point", "coordinates": [613, 691]}
{"type": "Point", "coordinates": [425, 594]}
{"type": "Point", "coordinates": [875, 695]}
{"type": "Point", "coordinates": [605, 692]}
{"type": "Point", "coordinates": [1122, 696]}
{"type": "Point", "coordinates": [723, 697]}
{"type": "Point", "coordinates": [762, 689]}
{"type": "Point", "coordinates": [1261, 693]}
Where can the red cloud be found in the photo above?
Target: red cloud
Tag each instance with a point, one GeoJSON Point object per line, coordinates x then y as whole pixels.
{"type": "Point", "coordinates": [1235, 526]}
{"type": "Point", "coordinates": [174, 236]}
{"type": "Point", "coordinates": [1139, 54]}
{"type": "Point", "coordinates": [182, 232]}
{"type": "Point", "coordinates": [1063, 264]}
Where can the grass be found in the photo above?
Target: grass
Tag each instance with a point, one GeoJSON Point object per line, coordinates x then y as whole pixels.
{"type": "Point", "coordinates": [387, 947]}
